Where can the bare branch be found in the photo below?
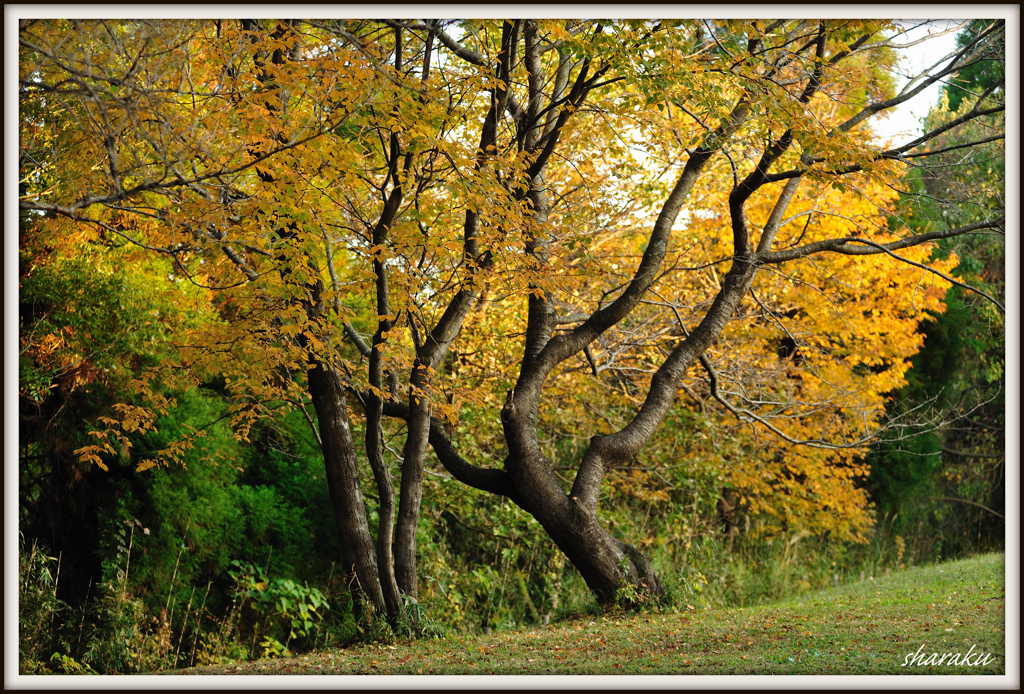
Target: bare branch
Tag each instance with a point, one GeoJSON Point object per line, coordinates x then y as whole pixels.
{"type": "Point", "coordinates": [485, 479]}
{"type": "Point", "coordinates": [849, 246]}
{"type": "Point", "coordinates": [713, 380]}
{"type": "Point", "coordinates": [967, 501]}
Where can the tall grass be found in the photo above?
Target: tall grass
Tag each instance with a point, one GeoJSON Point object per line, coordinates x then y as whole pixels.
{"type": "Point", "coordinates": [755, 569]}
{"type": "Point", "coordinates": [38, 606]}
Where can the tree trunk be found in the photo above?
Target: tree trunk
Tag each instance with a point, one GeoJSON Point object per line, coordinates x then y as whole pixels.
{"type": "Point", "coordinates": [413, 458]}
{"type": "Point", "coordinates": [340, 463]}
{"type": "Point", "coordinates": [614, 570]}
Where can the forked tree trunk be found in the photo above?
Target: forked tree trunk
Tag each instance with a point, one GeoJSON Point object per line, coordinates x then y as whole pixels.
{"type": "Point", "coordinates": [612, 569]}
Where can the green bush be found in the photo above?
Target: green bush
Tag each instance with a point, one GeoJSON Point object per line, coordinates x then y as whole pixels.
{"type": "Point", "coordinates": [277, 612]}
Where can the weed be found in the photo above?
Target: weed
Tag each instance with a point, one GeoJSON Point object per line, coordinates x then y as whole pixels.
{"type": "Point", "coordinates": [279, 610]}
{"type": "Point", "coordinates": [66, 665]}
{"type": "Point", "coordinates": [38, 605]}
{"type": "Point", "coordinates": [118, 643]}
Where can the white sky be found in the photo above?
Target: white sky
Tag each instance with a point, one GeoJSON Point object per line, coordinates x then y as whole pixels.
{"type": "Point", "coordinates": [904, 121]}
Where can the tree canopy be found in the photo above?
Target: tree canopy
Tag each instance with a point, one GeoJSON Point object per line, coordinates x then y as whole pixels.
{"type": "Point", "coordinates": [520, 245]}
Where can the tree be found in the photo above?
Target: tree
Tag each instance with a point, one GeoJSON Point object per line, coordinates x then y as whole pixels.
{"type": "Point", "coordinates": [329, 180]}
{"type": "Point", "coordinates": [89, 322]}
{"type": "Point", "coordinates": [959, 374]}
{"type": "Point", "coordinates": [984, 74]}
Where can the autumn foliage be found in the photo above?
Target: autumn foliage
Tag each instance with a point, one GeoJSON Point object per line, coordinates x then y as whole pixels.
{"type": "Point", "coordinates": [426, 219]}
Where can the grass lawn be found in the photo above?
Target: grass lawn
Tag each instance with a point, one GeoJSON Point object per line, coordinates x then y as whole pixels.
{"type": "Point", "coordinates": [871, 627]}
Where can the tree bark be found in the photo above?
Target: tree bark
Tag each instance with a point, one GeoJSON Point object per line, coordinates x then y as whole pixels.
{"type": "Point", "coordinates": [606, 563]}
{"type": "Point", "coordinates": [340, 463]}
{"type": "Point", "coordinates": [413, 459]}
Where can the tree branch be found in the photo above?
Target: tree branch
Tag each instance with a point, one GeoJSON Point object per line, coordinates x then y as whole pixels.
{"type": "Point", "coordinates": [713, 379]}
{"type": "Point", "coordinates": [485, 479]}
{"type": "Point", "coordinates": [562, 347]}
{"type": "Point", "coordinates": [847, 246]}
{"type": "Point", "coordinates": [967, 501]}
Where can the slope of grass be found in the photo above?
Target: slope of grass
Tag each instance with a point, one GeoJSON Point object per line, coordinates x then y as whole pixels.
{"type": "Point", "coordinates": [871, 627]}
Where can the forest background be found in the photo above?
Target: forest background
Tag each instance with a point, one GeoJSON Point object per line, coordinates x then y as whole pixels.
{"type": "Point", "coordinates": [225, 545]}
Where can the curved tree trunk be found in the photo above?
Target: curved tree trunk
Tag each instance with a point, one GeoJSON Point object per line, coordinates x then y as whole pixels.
{"type": "Point", "coordinates": [607, 564]}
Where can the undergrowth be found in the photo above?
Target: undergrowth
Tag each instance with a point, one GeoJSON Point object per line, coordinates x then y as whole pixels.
{"type": "Point", "coordinates": [123, 629]}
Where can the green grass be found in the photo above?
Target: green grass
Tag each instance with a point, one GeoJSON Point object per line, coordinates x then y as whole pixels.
{"type": "Point", "coordinates": [865, 628]}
